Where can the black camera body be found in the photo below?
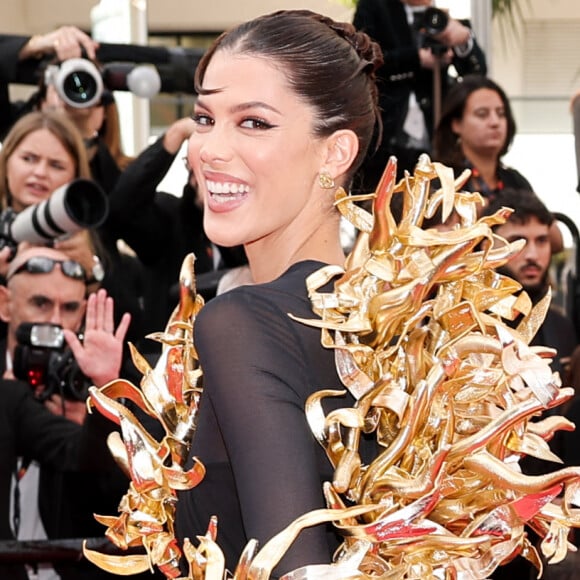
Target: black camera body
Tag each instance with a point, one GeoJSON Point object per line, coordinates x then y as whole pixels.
{"type": "Point", "coordinates": [429, 23]}
{"type": "Point", "coordinates": [42, 358]}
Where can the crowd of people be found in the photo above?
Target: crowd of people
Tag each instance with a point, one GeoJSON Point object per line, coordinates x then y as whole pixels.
{"type": "Point", "coordinates": [273, 134]}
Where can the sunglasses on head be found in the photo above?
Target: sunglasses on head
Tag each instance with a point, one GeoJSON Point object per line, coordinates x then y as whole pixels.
{"type": "Point", "coordinates": [44, 265]}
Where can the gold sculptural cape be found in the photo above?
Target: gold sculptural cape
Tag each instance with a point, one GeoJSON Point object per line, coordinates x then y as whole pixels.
{"type": "Point", "coordinates": [418, 321]}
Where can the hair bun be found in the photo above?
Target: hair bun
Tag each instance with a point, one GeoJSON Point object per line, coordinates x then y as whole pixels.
{"type": "Point", "coordinates": [367, 49]}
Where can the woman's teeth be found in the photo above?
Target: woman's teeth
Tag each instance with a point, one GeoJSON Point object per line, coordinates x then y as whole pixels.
{"type": "Point", "coordinates": [218, 187]}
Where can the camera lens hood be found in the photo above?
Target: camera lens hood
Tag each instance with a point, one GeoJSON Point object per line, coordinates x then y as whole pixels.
{"type": "Point", "coordinates": [78, 83]}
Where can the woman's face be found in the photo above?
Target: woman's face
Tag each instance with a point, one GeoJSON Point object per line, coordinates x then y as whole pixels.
{"type": "Point", "coordinates": [483, 128]}
{"type": "Point", "coordinates": [38, 165]}
{"type": "Point", "coordinates": [253, 153]}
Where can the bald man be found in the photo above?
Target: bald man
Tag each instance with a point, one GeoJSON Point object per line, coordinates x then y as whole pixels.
{"type": "Point", "coordinates": [45, 286]}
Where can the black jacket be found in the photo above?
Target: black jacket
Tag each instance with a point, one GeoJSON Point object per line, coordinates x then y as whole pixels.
{"type": "Point", "coordinates": [13, 71]}
{"type": "Point", "coordinates": [28, 429]}
{"type": "Point", "coordinates": [385, 21]}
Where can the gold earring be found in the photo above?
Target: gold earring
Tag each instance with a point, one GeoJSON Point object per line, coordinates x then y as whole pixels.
{"type": "Point", "coordinates": [325, 181]}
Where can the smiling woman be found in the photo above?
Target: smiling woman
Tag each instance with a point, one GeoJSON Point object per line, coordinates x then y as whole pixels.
{"type": "Point", "coordinates": [286, 109]}
{"type": "Point", "coordinates": [260, 148]}
{"type": "Point", "coordinates": [242, 135]}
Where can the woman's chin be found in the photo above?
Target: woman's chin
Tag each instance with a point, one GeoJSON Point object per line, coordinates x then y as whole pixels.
{"type": "Point", "coordinates": [223, 239]}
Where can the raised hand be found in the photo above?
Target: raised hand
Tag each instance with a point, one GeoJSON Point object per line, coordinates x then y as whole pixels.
{"type": "Point", "coordinates": [65, 42]}
{"type": "Point", "coordinates": [100, 353]}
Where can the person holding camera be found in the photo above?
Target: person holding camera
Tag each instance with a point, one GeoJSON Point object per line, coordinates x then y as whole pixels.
{"type": "Point", "coordinates": [419, 44]}
{"type": "Point", "coordinates": [45, 286]}
{"type": "Point", "coordinates": [100, 130]}
{"type": "Point", "coordinates": [42, 153]}
{"type": "Point", "coordinates": [20, 56]}
{"type": "Point", "coordinates": [45, 290]}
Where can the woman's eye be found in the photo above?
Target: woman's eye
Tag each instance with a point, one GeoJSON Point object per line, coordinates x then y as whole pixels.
{"type": "Point", "coordinates": [202, 120]}
{"type": "Point", "coordinates": [256, 124]}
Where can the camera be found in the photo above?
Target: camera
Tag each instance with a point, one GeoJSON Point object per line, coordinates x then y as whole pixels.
{"type": "Point", "coordinates": [80, 84]}
{"type": "Point", "coordinates": [429, 23]}
{"type": "Point", "coordinates": [72, 207]}
{"type": "Point", "coordinates": [42, 358]}
{"type": "Point", "coordinates": [77, 81]}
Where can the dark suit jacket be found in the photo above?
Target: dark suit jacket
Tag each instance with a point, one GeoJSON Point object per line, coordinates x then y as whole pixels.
{"type": "Point", "coordinates": [28, 429]}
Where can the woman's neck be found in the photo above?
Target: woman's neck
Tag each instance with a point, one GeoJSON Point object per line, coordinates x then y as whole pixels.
{"type": "Point", "coordinates": [270, 258]}
{"type": "Point", "coordinates": [486, 167]}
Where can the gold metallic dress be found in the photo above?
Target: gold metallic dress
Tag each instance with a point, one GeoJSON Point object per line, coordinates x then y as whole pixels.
{"type": "Point", "coordinates": [417, 320]}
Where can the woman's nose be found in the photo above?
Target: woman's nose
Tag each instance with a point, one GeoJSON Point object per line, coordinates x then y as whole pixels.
{"type": "Point", "coordinates": [214, 146]}
{"type": "Point", "coordinates": [40, 167]}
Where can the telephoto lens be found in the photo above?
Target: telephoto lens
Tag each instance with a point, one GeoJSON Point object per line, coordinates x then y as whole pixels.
{"type": "Point", "coordinates": [72, 207]}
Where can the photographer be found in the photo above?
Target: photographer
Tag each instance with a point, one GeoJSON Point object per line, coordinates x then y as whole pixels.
{"type": "Point", "coordinates": [42, 153]}
{"type": "Point", "coordinates": [45, 286]}
{"type": "Point", "coordinates": [20, 56]}
{"type": "Point", "coordinates": [416, 39]}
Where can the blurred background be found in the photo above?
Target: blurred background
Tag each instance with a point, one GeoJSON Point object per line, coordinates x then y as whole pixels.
{"type": "Point", "coordinates": [531, 46]}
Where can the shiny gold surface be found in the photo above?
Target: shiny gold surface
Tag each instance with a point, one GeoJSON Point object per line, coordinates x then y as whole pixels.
{"type": "Point", "coordinates": [450, 393]}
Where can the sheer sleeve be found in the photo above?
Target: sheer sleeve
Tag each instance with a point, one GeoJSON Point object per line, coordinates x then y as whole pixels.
{"type": "Point", "coordinates": [257, 365]}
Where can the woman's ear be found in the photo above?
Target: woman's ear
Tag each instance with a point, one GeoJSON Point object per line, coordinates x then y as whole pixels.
{"type": "Point", "coordinates": [342, 149]}
{"type": "Point", "coordinates": [456, 126]}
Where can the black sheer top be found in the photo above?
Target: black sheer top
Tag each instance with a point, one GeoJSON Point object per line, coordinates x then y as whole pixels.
{"type": "Point", "coordinates": [264, 467]}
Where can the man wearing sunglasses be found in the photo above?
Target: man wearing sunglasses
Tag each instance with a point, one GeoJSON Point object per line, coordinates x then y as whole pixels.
{"type": "Point", "coordinates": [45, 286]}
